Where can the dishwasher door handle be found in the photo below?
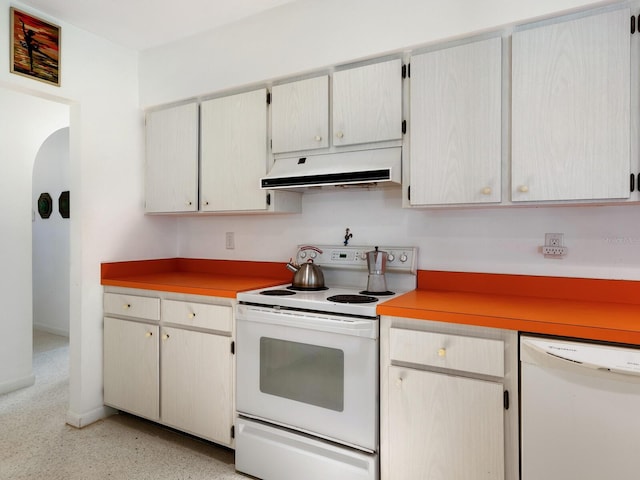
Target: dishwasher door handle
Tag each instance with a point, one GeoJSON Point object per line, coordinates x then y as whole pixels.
{"type": "Point", "coordinates": [604, 358]}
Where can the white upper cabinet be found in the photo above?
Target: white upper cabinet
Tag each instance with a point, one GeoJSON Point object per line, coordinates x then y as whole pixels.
{"type": "Point", "coordinates": [367, 103]}
{"type": "Point", "coordinates": [233, 152]}
{"type": "Point", "coordinates": [456, 124]}
{"type": "Point", "coordinates": [171, 170]}
{"type": "Point", "coordinates": [571, 109]}
{"type": "Point", "coordinates": [366, 107]}
{"type": "Point", "coordinates": [300, 115]}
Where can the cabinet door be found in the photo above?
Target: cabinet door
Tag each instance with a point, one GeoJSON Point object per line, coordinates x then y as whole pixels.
{"type": "Point", "coordinates": [171, 173]}
{"type": "Point", "coordinates": [233, 152]}
{"type": "Point", "coordinates": [196, 391]}
{"type": "Point", "coordinates": [367, 103]}
{"type": "Point", "coordinates": [131, 367]}
{"type": "Point", "coordinates": [443, 427]}
{"type": "Point", "coordinates": [300, 115]}
{"type": "Point", "coordinates": [456, 123]}
{"type": "Point", "coordinates": [570, 131]}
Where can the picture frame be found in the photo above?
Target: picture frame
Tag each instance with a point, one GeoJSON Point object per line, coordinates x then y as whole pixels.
{"type": "Point", "coordinates": [35, 47]}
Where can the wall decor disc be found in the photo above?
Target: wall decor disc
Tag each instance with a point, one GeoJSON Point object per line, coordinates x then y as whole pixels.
{"type": "Point", "coordinates": [63, 204]}
{"type": "Point", "coordinates": [45, 205]}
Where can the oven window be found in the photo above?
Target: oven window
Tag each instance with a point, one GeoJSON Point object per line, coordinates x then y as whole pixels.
{"type": "Point", "coordinates": [306, 373]}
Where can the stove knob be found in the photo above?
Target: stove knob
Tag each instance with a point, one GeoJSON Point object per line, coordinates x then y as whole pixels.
{"type": "Point", "coordinates": [391, 257]}
{"type": "Point", "coordinates": [303, 254]}
{"type": "Point", "coordinates": [312, 254]}
{"type": "Point", "coordinates": [403, 257]}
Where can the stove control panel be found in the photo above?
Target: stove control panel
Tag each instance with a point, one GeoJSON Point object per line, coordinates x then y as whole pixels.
{"type": "Point", "coordinates": [399, 259]}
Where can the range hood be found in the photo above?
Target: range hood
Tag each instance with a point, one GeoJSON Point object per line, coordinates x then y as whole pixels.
{"type": "Point", "coordinates": [343, 168]}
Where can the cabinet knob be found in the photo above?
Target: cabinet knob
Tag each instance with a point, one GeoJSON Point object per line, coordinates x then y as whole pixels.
{"type": "Point", "coordinates": [486, 191]}
{"type": "Point", "coordinates": [165, 336]}
{"type": "Point", "coordinates": [148, 334]}
{"type": "Point", "coordinates": [318, 138]}
{"type": "Point", "coordinates": [126, 306]}
{"type": "Point", "coordinates": [399, 382]}
{"type": "Point", "coordinates": [188, 203]}
{"type": "Point", "coordinates": [206, 203]}
{"type": "Point", "coordinates": [339, 134]}
{"type": "Point", "coordinates": [523, 188]}
{"type": "Point", "coordinates": [192, 315]}
{"type": "Point", "coordinates": [442, 352]}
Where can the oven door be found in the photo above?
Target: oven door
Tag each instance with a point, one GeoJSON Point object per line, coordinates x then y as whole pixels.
{"type": "Point", "coordinates": [312, 372]}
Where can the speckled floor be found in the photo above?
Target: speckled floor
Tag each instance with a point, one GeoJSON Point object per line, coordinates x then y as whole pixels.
{"type": "Point", "coordinates": [35, 442]}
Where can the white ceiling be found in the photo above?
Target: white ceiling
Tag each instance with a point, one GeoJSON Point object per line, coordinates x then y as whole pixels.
{"type": "Point", "coordinates": [143, 24]}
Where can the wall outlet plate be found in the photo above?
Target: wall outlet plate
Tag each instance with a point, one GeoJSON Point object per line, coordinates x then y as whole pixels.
{"type": "Point", "coordinates": [553, 239]}
{"type": "Point", "coordinates": [554, 245]}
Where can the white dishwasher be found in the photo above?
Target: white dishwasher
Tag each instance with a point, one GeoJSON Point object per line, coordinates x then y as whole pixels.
{"type": "Point", "coordinates": [580, 410]}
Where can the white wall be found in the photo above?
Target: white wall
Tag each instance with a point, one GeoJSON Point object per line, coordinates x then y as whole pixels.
{"type": "Point", "coordinates": [100, 84]}
{"type": "Point", "coordinates": [307, 35]}
{"type": "Point", "coordinates": [26, 122]}
{"type": "Point", "coordinates": [51, 237]}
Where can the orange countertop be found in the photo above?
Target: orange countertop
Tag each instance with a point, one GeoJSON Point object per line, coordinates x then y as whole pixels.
{"type": "Point", "coordinates": [217, 278]}
{"type": "Point", "coordinates": [607, 310]}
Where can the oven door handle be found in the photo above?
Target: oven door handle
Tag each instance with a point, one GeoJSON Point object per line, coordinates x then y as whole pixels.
{"type": "Point", "coordinates": [324, 323]}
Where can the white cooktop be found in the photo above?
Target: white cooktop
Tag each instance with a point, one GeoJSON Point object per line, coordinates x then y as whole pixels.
{"type": "Point", "coordinates": [345, 272]}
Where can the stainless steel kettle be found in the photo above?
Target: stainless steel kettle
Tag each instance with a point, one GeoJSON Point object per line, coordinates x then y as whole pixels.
{"type": "Point", "coordinates": [307, 276]}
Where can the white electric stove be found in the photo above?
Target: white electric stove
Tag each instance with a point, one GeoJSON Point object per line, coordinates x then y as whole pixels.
{"type": "Point", "coordinates": [307, 369]}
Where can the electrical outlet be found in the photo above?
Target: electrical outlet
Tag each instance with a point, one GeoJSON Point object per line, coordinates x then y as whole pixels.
{"type": "Point", "coordinates": [230, 241]}
{"type": "Point", "coordinates": [553, 240]}
{"type": "Point", "coordinates": [554, 245]}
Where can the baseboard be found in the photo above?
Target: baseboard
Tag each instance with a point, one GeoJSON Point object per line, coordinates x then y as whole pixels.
{"type": "Point", "coordinates": [56, 331]}
{"type": "Point", "coordinates": [17, 384]}
{"type": "Point", "coordinates": [80, 420]}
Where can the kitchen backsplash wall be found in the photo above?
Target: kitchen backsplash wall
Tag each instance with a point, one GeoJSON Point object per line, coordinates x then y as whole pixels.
{"type": "Point", "coordinates": [603, 242]}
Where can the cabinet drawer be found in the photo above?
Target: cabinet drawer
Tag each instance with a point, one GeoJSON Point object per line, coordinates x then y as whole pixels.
{"type": "Point", "coordinates": [454, 352]}
{"type": "Point", "coordinates": [202, 315]}
{"type": "Point", "coordinates": [132, 306]}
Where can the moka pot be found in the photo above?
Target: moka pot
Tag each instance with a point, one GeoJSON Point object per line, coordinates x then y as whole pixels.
{"type": "Point", "coordinates": [377, 264]}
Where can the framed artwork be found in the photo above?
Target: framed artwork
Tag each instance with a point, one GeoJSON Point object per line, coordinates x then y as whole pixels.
{"type": "Point", "coordinates": [35, 48]}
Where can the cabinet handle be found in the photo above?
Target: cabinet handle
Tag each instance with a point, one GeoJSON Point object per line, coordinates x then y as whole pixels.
{"type": "Point", "coordinates": [192, 315]}
{"type": "Point", "coordinates": [339, 134]}
{"type": "Point", "coordinates": [165, 336]}
{"type": "Point", "coordinates": [523, 188]}
{"type": "Point", "coordinates": [148, 334]}
{"type": "Point", "coordinates": [486, 191]}
{"type": "Point", "coordinates": [318, 138]}
{"type": "Point", "coordinates": [442, 352]}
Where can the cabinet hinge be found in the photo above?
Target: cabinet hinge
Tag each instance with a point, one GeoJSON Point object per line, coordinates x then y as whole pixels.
{"type": "Point", "coordinates": [268, 199]}
{"type": "Point", "coordinates": [233, 431]}
{"type": "Point", "coordinates": [633, 24]}
{"type": "Point", "coordinates": [505, 399]}
{"type": "Point", "coordinates": [404, 71]}
{"type": "Point", "coordinates": [268, 98]}
{"type": "Point", "coordinates": [404, 126]}
{"type": "Point", "coordinates": [409, 192]}
{"type": "Point", "coordinates": [233, 348]}
{"type": "Point", "coordinates": [632, 182]}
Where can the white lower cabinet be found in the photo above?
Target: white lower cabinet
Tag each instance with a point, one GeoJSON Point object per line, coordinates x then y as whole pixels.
{"type": "Point", "coordinates": [178, 372]}
{"type": "Point", "coordinates": [448, 401]}
{"type": "Point", "coordinates": [131, 375]}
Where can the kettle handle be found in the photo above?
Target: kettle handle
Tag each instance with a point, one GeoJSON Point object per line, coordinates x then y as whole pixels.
{"type": "Point", "coordinates": [309, 247]}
